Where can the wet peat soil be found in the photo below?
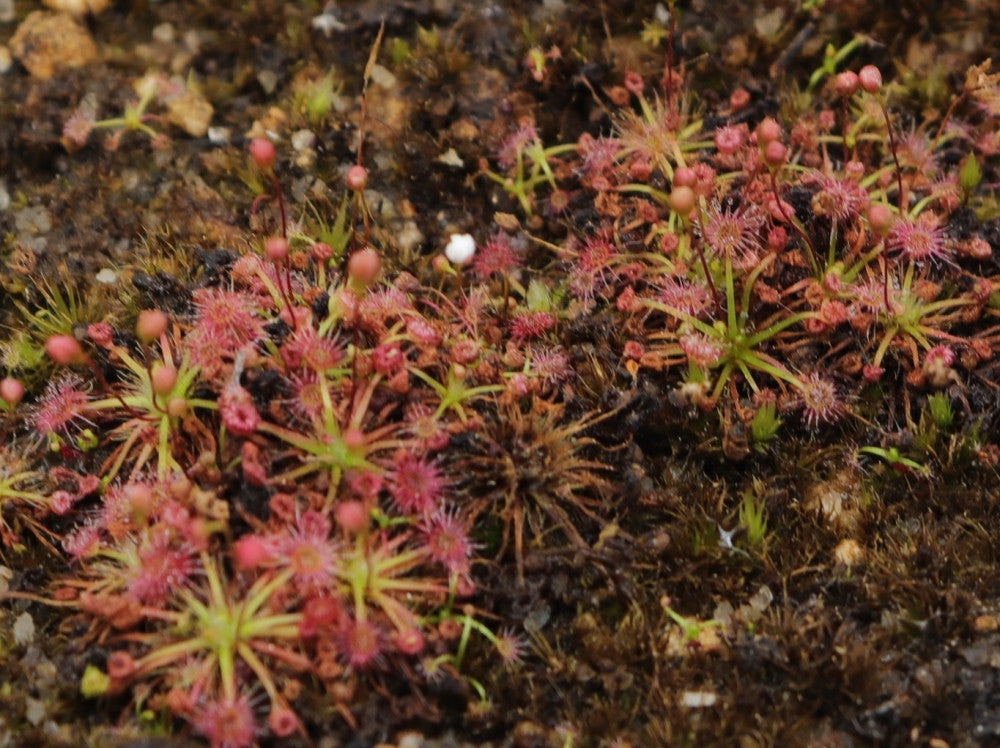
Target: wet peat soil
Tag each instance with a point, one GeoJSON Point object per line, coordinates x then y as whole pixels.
{"type": "Point", "coordinates": [811, 648]}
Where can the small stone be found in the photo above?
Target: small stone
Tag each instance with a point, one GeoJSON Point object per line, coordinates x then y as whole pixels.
{"type": "Point", "coordinates": [191, 112]}
{"type": "Point", "coordinates": [849, 552]}
{"type": "Point", "coordinates": [49, 43]}
{"type": "Point", "coordinates": [450, 158]}
{"type": "Point", "coordinates": [528, 733]}
{"type": "Point", "coordinates": [383, 77]}
{"type": "Point", "coordinates": [302, 139]}
{"type": "Point", "coordinates": [6, 61]}
{"type": "Point", "coordinates": [106, 276]}
{"type": "Point", "coordinates": [537, 617]}
{"type": "Point", "coordinates": [4, 197]}
{"type": "Point", "coordinates": [268, 80]}
{"type": "Point", "coordinates": [34, 710]}
{"type": "Point", "coordinates": [33, 221]}
{"type": "Point", "coordinates": [24, 629]}
{"type": "Point", "coordinates": [762, 598]}
{"type": "Point", "coordinates": [409, 236]}
{"type": "Point", "coordinates": [164, 33]}
{"type": "Point", "coordinates": [327, 23]}
{"type": "Point", "coordinates": [698, 699]}
{"type": "Point", "coordinates": [219, 135]}
{"type": "Point", "coordinates": [410, 740]}
{"type": "Point", "coordinates": [986, 623]}
{"type": "Point", "coordinates": [465, 129]}
{"type": "Point", "coordinates": [8, 11]}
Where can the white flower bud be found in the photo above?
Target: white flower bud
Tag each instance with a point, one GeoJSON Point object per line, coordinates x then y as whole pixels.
{"type": "Point", "coordinates": [460, 249]}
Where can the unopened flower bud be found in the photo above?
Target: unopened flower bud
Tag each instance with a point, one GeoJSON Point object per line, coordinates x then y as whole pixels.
{"type": "Point", "coordinates": [351, 515]}
{"type": "Point", "coordinates": [356, 178]}
{"type": "Point", "coordinates": [880, 218]}
{"type": "Point", "coordinates": [64, 349]}
{"type": "Point", "coordinates": [682, 200]}
{"type": "Point", "coordinates": [151, 324]}
{"type": "Point", "coordinates": [276, 248]}
{"type": "Point", "coordinates": [846, 83]}
{"type": "Point", "coordinates": [11, 390]}
{"type": "Point", "coordinates": [767, 131]}
{"type": "Point", "coordinates": [263, 152]}
{"type": "Point", "coordinates": [685, 176]}
{"type": "Point", "coordinates": [363, 267]}
{"type": "Point", "coordinates": [163, 377]}
{"type": "Point", "coordinates": [870, 78]}
{"type": "Point", "coordinates": [775, 153]}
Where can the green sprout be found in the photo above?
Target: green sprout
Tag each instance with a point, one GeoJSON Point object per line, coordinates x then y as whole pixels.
{"type": "Point", "coordinates": [895, 459]}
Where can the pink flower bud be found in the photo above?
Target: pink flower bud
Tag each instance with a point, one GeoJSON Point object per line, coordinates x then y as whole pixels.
{"type": "Point", "coordinates": [775, 153]}
{"type": "Point", "coordinates": [276, 248]}
{"type": "Point", "coordinates": [870, 78]}
{"type": "Point", "coordinates": [846, 83]}
{"type": "Point", "coordinates": [767, 131]}
{"type": "Point", "coordinates": [682, 200]}
{"type": "Point", "coordinates": [177, 407]}
{"type": "Point", "coordinates": [356, 178]}
{"type": "Point", "coordinates": [140, 499]}
{"type": "Point", "coordinates": [440, 264]}
{"type": "Point", "coordinates": [352, 516]}
{"type": "Point", "coordinates": [263, 152]}
{"type": "Point", "coordinates": [880, 218]}
{"type": "Point", "coordinates": [151, 324]}
{"type": "Point", "coordinates": [11, 390]}
{"type": "Point", "coordinates": [252, 552]}
{"type": "Point", "coordinates": [163, 377]}
{"type": "Point", "coordinates": [363, 266]}
{"type": "Point", "coordinates": [64, 349]}
{"type": "Point", "coordinates": [685, 176]}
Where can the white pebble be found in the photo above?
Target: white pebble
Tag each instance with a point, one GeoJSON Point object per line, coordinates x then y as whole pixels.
{"type": "Point", "coordinates": [218, 135]}
{"type": "Point", "coordinates": [24, 629]}
{"type": "Point", "coordinates": [164, 33]}
{"type": "Point", "coordinates": [698, 699]}
{"type": "Point", "coordinates": [107, 276]}
{"type": "Point", "coordinates": [34, 710]}
{"type": "Point", "coordinates": [303, 139]}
